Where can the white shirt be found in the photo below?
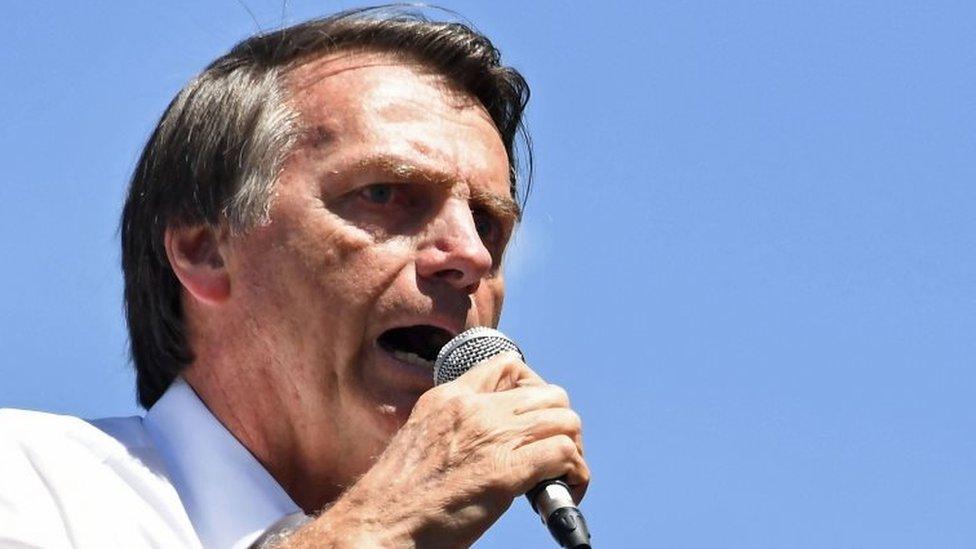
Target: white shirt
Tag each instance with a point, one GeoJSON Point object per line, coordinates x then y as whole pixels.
{"type": "Point", "coordinates": [176, 478]}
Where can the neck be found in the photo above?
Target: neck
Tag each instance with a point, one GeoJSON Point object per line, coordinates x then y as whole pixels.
{"type": "Point", "coordinates": [238, 380]}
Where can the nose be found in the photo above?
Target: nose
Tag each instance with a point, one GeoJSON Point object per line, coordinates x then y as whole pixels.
{"type": "Point", "coordinates": [453, 251]}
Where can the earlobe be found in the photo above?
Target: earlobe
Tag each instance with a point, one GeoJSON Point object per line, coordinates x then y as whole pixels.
{"type": "Point", "coordinates": [194, 254]}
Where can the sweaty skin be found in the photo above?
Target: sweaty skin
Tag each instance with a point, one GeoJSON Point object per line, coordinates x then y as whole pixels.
{"type": "Point", "coordinates": [393, 210]}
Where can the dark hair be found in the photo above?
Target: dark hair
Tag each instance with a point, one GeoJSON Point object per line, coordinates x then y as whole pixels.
{"type": "Point", "coordinates": [218, 149]}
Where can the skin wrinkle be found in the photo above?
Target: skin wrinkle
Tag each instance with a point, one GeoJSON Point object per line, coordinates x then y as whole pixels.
{"type": "Point", "coordinates": [505, 208]}
{"type": "Point", "coordinates": [312, 291]}
{"type": "Point", "coordinates": [245, 418]}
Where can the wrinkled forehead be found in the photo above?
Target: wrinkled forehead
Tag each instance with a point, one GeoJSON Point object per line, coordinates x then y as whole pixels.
{"type": "Point", "coordinates": [389, 104]}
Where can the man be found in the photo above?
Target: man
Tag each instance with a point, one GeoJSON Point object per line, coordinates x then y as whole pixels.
{"type": "Point", "coordinates": [314, 216]}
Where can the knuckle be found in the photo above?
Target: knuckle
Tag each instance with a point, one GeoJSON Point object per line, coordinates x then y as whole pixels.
{"type": "Point", "coordinates": [581, 476]}
{"type": "Point", "coordinates": [506, 360]}
{"type": "Point", "coordinates": [559, 394]}
{"type": "Point", "coordinates": [567, 422]}
{"type": "Point", "coordinates": [510, 371]}
{"type": "Point", "coordinates": [574, 422]}
{"type": "Point", "coordinates": [584, 473]}
{"type": "Point", "coordinates": [566, 447]}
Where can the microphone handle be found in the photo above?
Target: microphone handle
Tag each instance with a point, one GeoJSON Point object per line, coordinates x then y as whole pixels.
{"type": "Point", "coordinates": [551, 500]}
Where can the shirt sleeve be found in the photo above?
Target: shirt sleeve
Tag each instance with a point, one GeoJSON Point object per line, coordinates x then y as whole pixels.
{"type": "Point", "coordinates": [30, 514]}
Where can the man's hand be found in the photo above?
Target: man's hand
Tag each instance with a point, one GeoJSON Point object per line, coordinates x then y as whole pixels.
{"type": "Point", "coordinates": [468, 449]}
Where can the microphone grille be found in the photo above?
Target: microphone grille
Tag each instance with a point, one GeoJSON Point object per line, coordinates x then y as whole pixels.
{"type": "Point", "coordinates": [468, 348]}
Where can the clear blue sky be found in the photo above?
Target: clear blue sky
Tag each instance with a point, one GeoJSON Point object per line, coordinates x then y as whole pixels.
{"type": "Point", "coordinates": [750, 255]}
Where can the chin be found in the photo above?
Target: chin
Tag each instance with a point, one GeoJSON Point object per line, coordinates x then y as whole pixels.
{"type": "Point", "coordinates": [390, 388]}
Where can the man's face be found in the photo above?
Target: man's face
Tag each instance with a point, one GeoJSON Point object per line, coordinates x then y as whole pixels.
{"type": "Point", "coordinates": [385, 238]}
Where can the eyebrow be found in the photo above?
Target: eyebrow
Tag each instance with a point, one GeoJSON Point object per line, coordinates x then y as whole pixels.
{"type": "Point", "coordinates": [503, 207]}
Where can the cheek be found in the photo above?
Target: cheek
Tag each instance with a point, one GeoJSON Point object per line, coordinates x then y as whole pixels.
{"type": "Point", "coordinates": [336, 268]}
{"type": "Point", "coordinates": [323, 244]}
{"type": "Point", "coordinates": [302, 268]}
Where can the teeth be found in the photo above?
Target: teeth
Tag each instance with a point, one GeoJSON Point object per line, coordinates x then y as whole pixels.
{"type": "Point", "coordinates": [411, 358]}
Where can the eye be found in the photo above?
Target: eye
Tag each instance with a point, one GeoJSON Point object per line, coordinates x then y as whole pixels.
{"type": "Point", "coordinates": [486, 225]}
{"type": "Point", "coordinates": [380, 193]}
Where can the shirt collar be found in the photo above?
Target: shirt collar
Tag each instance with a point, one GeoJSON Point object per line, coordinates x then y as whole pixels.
{"type": "Point", "coordinates": [230, 498]}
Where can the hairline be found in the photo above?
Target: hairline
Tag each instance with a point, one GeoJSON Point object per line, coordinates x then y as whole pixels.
{"type": "Point", "coordinates": [217, 155]}
{"type": "Point", "coordinates": [296, 130]}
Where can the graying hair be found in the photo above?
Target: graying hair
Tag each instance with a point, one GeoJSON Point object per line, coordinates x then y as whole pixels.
{"type": "Point", "coordinates": [263, 155]}
{"type": "Point", "coordinates": [217, 152]}
{"type": "Point", "coordinates": [250, 109]}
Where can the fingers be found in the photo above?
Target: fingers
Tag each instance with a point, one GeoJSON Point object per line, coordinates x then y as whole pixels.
{"type": "Point", "coordinates": [535, 411]}
{"type": "Point", "coordinates": [532, 397]}
{"type": "Point", "coordinates": [524, 414]}
{"type": "Point", "coordinates": [541, 424]}
{"type": "Point", "coordinates": [500, 373]}
{"type": "Point", "coordinates": [545, 436]}
{"type": "Point", "coordinates": [554, 457]}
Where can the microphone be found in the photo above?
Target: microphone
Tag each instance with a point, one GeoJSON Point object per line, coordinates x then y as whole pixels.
{"type": "Point", "coordinates": [550, 498]}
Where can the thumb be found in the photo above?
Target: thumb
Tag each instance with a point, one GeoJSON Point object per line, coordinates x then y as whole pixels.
{"type": "Point", "coordinates": [501, 372]}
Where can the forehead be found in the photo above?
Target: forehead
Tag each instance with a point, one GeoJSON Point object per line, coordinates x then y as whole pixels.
{"type": "Point", "coordinates": [367, 104]}
{"type": "Point", "coordinates": [379, 73]}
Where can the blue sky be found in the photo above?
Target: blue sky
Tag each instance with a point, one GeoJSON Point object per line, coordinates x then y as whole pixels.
{"type": "Point", "coordinates": [749, 253]}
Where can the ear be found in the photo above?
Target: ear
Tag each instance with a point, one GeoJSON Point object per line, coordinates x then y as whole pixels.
{"type": "Point", "coordinates": [194, 254]}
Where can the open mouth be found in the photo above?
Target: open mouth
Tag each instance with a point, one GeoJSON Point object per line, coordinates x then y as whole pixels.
{"type": "Point", "coordinates": [415, 344]}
